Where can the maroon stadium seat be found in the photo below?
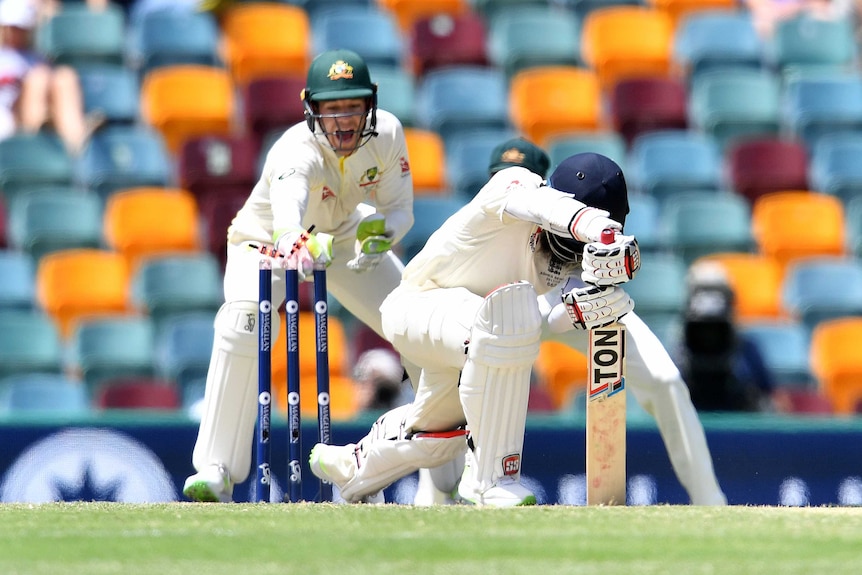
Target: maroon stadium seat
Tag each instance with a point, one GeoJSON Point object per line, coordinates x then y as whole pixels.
{"type": "Point", "coordinates": [218, 165]}
{"type": "Point", "coordinates": [138, 393]}
{"type": "Point", "coordinates": [272, 104]}
{"type": "Point", "coordinates": [447, 40]}
{"type": "Point", "coordinates": [217, 211]}
{"type": "Point", "coordinates": [769, 164]}
{"type": "Point", "coordinates": [639, 105]}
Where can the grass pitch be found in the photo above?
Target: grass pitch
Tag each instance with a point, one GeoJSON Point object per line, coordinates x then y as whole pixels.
{"type": "Point", "coordinates": [306, 539]}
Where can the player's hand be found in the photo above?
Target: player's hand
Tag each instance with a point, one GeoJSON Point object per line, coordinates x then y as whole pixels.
{"type": "Point", "coordinates": [303, 251]}
{"type": "Point", "coordinates": [611, 264]}
{"type": "Point", "coordinates": [589, 223]}
{"type": "Point", "coordinates": [373, 240]}
{"type": "Point", "coordinates": [594, 306]}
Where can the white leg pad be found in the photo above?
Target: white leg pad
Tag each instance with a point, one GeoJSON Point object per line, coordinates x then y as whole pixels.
{"type": "Point", "coordinates": [495, 381]}
{"type": "Point", "coordinates": [230, 401]}
{"type": "Point", "coordinates": [388, 453]}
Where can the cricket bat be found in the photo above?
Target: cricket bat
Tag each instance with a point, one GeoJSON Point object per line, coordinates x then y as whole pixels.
{"type": "Point", "coordinates": [606, 415]}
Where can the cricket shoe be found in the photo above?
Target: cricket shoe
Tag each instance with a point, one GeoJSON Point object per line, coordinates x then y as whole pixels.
{"type": "Point", "coordinates": [337, 465]}
{"type": "Point", "coordinates": [212, 484]}
{"type": "Point", "coordinates": [505, 493]}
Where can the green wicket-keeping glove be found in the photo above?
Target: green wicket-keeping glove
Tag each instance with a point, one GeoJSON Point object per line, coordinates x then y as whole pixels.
{"type": "Point", "coordinates": [372, 243]}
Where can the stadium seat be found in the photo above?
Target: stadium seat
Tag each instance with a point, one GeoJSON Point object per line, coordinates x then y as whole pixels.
{"type": "Point", "coordinates": [761, 165]}
{"type": "Point", "coordinates": [664, 162]}
{"type": "Point", "coordinates": [408, 12]}
{"type": "Point", "coordinates": [560, 371]}
{"type": "Point", "coordinates": [31, 160]}
{"type": "Point", "coordinates": [710, 39]}
{"type": "Point", "coordinates": [679, 10]}
{"type": "Point", "coordinates": [608, 143]}
{"type": "Point", "coordinates": [171, 37]}
{"type": "Point", "coordinates": [139, 394]}
{"type": "Point", "coordinates": [853, 226]}
{"type": "Point", "coordinates": [29, 342]}
{"type": "Point", "coordinates": [659, 288]}
{"type": "Point", "coordinates": [835, 166]}
{"type": "Point", "coordinates": [820, 103]}
{"type": "Point", "coordinates": [820, 288]}
{"type": "Point", "coordinates": [120, 157]}
{"type": "Point", "coordinates": [448, 40]}
{"type": "Point", "coordinates": [370, 31]}
{"type": "Point", "coordinates": [183, 347]}
{"type": "Point", "coordinates": [396, 92]}
{"type": "Point", "coordinates": [812, 42]}
{"type": "Point", "coordinates": [447, 102]}
{"type": "Point", "coordinates": [777, 218]}
{"type": "Point", "coordinates": [624, 41]}
{"type": "Point", "coordinates": [111, 90]}
{"type": "Point", "coordinates": [756, 282]}
{"type": "Point", "coordinates": [836, 362]}
{"type": "Point", "coordinates": [467, 159]}
{"type": "Point", "coordinates": [427, 161]}
{"type": "Point", "coordinates": [142, 223]}
{"type": "Point", "coordinates": [548, 102]}
{"type": "Point", "coordinates": [79, 35]}
{"type": "Point", "coordinates": [171, 285]}
{"type": "Point", "coordinates": [55, 219]}
{"type": "Point", "coordinates": [263, 39]}
{"type": "Point", "coordinates": [18, 270]}
{"type": "Point", "coordinates": [77, 284]}
{"type": "Point", "coordinates": [112, 346]}
{"type": "Point", "coordinates": [430, 212]}
{"type": "Point", "coordinates": [735, 104]}
{"type": "Point", "coordinates": [185, 101]}
{"type": "Point", "coordinates": [312, 7]}
{"type": "Point", "coordinates": [643, 222]}
{"type": "Point", "coordinates": [4, 221]}
{"type": "Point", "coordinates": [216, 166]}
{"type": "Point", "coordinates": [784, 346]}
{"type": "Point", "coordinates": [272, 103]}
{"type": "Point", "coordinates": [43, 394]}
{"type": "Point", "coordinates": [490, 8]}
{"type": "Point", "coordinates": [217, 213]}
{"type": "Point", "coordinates": [648, 103]}
{"type": "Point", "coordinates": [530, 36]}
{"type": "Point", "coordinates": [694, 224]}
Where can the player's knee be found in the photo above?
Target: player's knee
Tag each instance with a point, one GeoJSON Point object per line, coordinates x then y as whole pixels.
{"type": "Point", "coordinates": [236, 325]}
{"type": "Point", "coordinates": [508, 326]}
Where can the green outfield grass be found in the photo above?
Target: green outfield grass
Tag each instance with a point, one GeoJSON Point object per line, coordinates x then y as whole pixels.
{"type": "Point", "coordinates": [303, 539]}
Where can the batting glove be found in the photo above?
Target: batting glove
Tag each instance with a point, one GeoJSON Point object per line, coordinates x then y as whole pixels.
{"type": "Point", "coordinates": [594, 306]}
{"type": "Point", "coordinates": [611, 264]}
{"type": "Point", "coordinates": [372, 243]}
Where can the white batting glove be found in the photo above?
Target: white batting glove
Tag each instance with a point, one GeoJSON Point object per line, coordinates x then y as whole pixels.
{"type": "Point", "coordinates": [588, 223]}
{"type": "Point", "coordinates": [611, 264]}
{"type": "Point", "coordinates": [372, 242]}
{"type": "Point", "coordinates": [594, 306]}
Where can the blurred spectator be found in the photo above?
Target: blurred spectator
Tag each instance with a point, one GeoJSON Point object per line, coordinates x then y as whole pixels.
{"type": "Point", "coordinates": [379, 378]}
{"type": "Point", "coordinates": [33, 94]}
{"type": "Point", "coordinates": [724, 370]}
{"type": "Point", "coordinates": [767, 13]}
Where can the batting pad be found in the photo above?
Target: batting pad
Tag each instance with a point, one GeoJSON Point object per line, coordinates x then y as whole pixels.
{"type": "Point", "coordinates": [495, 381]}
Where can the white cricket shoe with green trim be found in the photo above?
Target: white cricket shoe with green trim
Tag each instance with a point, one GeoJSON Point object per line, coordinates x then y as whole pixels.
{"type": "Point", "coordinates": [211, 484]}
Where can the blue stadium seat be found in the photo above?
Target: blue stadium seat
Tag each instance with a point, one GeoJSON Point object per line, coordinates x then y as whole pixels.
{"type": "Point", "coordinates": [807, 42]}
{"type": "Point", "coordinates": [51, 394]}
{"type": "Point", "coordinates": [313, 7]}
{"type": "Point", "coordinates": [734, 104]}
{"type": "Point", "coordinates": [430, 212]}
{"type": "Point", "coordinates": [853, 225]}
{"type": "Point", "coordinates": [112, 90]}
{"type": "Point", "coordinates": [31, 160]}
{"type": "Point", "coordinates": [396, 91]}
{"type": "Point", "coordinates": [710, 39]}
{"type": "Point", "coordinates": [169, 37]}
{"type": "Point", "coordinates": [821, 288]}
{"type": "Point", "coordinates": [610, 144]}
{"type": "Point", "coordinates": [659, 288]}
{"type": "Point", "coordinates": [183, 348]}
{"type": "Point", "coordinates": [667, 161]}
{"type": "Point", "coordinates": [79, 35]}
{"type": "Point", "coordinates": [490, 8]}
{"type": "Point", "coordinates": [784, 346]}
{"type": "Point", "coordinates": [836, 168]}
{"type": "Point", "coordinates": [694, 224]}
{"type": "Point", "coordinates": [18, 287]}
{"type": "Point", "coordinates": [119, 157]}
{"type": "Point", "coordinates": [461, 99]}
{"type": "Point", "coordinates": [29, 341]}
{"type": "Point", "coordinates": [643, 222]}
{"type": "Point", "coordinates": [468, 157]}
{"type": "Point", "coordinates": [525, 36]}
{"type": "Point", "coordinates": [370, 31]}
{"type": "Point", "coordinates": [819, 103]}
{"type": "Point", "coordinates": [55, 219]}
{"type": "Point", "coordinates": [111, 347]}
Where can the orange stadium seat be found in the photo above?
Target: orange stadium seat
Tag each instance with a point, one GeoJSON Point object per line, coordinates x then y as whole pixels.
{"type": "Point", "coordinates": [680, 9]}
{"type": "Point", "coordinates": [627, 41]}
{"type": "Point", "coordinates": [185, 101]}
{"type": "Point", "coordinates": [265, 39]}
{"type": "Point", "coordinates": [144, 222]}
{"type": "Point", "coordinates": [836, 362]}
{"type": "Point", "coordinates": [756, 281]}
{"type": "Point", "coordinates": [794, 224]}
{"type": "Point", "coordinates": [427, 161]}
{"type": "Point", "coordinates": [549, 101]}
{"type": "Point", "coordinates": [561, 371]}
{"type": "Point", "coordinates": [78, 283]}
{"type": "Point", "coordinates": [407, 12]}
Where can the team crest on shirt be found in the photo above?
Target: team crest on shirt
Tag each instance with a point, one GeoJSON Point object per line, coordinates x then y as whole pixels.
{"type": "Point", "coordinates": [371, 177]}
{"type": "Point", "coordinates": [327, 193]}
{"type": "Point", "coordinates": [340, 70]}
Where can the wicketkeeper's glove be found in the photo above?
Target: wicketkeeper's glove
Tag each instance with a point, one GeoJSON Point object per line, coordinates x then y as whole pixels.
{"type": "Point", "coordinates": [301, 250]}
{"type": "Point", "coordinates": [373, 240]}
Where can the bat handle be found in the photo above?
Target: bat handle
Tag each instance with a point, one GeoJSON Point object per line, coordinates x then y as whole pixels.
{"type": "Point", "coordinates": [608, 236]}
